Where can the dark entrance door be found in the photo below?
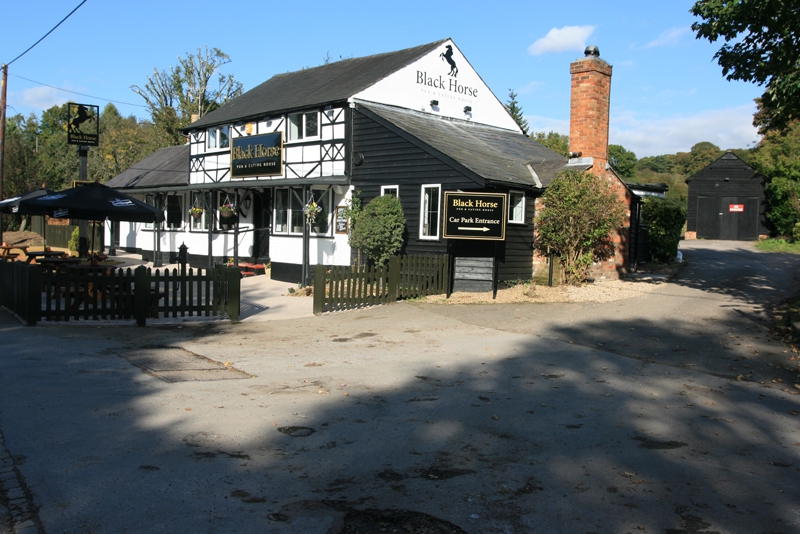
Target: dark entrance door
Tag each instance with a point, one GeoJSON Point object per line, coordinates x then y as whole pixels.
{"type": "Point", "coordinates": [708, 217]}
{"type": "Point", "coordinates": [262, 224]}
{"type": "Point", "coordinates": [738, 218]}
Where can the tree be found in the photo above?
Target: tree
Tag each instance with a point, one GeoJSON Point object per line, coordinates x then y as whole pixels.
{"type": "Point", "coordinates": [580, 211]}
{"type": "Point", "coordinates": [379, 229]}
{"type": "Point", "coordinates": [760, 46]}
{"type": "Point", "coordinates": [665, 219]}
{"type": "Point", "coordinates": [123, 142]}
{"type": "Point", "coordinates": [174, 97]}
{"type": "Point", "coordinates": [623, 161]}
{"type": "Point", "coordinates": [554, 141]}
{"type": "Point", "coordinates": [515, 111]}
{"type": "Point", "coordinates": [777, 157]}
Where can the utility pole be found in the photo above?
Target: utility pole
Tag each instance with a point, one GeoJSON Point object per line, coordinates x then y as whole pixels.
{"type": "Point", "coordinates": [3, 86]}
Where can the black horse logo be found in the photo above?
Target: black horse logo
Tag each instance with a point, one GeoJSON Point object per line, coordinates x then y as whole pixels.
{"type": "Point", "coordinates": [448, 56]}
{"type": "Point", "coordinates": [82, 116]}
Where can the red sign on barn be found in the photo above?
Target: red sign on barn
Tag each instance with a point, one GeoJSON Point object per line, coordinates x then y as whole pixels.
{"type": "Point", "coordinates": [736, 207]}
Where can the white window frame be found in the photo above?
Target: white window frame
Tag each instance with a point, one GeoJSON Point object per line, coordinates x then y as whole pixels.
{"type": "Point", "coordinates": [216, 134]}
{"type": "Point", "coordinates": [511, 219]}
{"type": "Point", "coordinates": [303, 136]}
{"type": "Point", "coordinates": [293, 194]}
{"type": "Point", "coordinates": [201, 223]}
{"type": "Point", "coordinates": [320, 194]}
{"type": "Point", "coordinates": [422, 211]}
{"type": "Point", "coordinates": [385, 188]}
{"type": "Point", "coordinates": [177, 211]}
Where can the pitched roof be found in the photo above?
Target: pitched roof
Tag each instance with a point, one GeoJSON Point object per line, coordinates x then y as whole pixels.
{"type": "Point", "coordinates": [494, 154]}
{"type": "Point", "coordinates": [166, 166]}
{"type": "Point", "coordinates": [316, 86]}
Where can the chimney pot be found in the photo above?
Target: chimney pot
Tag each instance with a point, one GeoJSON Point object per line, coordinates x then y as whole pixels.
{"type": "Point", "coordinates": [591, 51]}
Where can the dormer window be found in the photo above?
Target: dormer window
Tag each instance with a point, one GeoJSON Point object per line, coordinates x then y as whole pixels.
{"type": "Point", "coordinates": [218, 137]}
{"type": "Point", "coordinates": [303, 125]}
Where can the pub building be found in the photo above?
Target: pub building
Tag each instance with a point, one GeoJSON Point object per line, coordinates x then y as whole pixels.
{"type": "Point", "coordinates": [419, 124]}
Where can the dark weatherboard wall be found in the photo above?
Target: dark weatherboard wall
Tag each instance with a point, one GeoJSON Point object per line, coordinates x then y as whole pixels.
{"type": "Point", "coordinates": [384, 155]}
{"type": "Point", "coordinates": [726, 201]}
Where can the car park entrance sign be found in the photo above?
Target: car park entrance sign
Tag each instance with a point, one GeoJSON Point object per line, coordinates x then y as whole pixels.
{"type": "Point", "coordinates": [475, 215]}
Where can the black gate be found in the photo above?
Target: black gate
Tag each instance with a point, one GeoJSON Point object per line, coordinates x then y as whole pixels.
{"type": "Point", "coordinates": [729, 218]}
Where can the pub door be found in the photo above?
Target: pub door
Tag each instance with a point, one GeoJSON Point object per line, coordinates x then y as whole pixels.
{"type": "Point", "coordinates": [262, 225]}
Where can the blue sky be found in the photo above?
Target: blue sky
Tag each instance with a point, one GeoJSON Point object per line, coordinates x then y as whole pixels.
{"type": "Point", "coordinates": [667, 91]}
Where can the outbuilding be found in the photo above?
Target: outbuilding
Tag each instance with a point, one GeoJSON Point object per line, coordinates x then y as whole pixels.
{"type": "Point", "coordinates": [726, 201]}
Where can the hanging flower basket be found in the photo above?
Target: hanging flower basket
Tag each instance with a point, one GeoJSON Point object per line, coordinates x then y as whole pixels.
{"type": "Point", "coordinates": [310, 211]}
{"type": "Point", "coordinates": [227, 210]}
{"type": "Point", "coordinates": [196, 212]}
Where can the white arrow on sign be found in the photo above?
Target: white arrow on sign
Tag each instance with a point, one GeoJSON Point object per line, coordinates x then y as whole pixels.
{"type": "Point", "coordinates": [475, 229]}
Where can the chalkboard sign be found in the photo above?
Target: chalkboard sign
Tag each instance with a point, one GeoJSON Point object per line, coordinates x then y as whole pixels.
{"type": "Point", "coordinates": [341, 220]}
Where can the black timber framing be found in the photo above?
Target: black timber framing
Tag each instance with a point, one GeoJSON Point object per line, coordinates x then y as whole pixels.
{"type": "Point", "coordinates": [392, 157]}
{"type": "Point", "coordinates": [712, 190]}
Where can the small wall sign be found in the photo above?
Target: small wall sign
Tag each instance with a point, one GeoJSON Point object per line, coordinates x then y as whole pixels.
{"type": "Point", "coordinates": [341, 220]}
{"type": "Point", "coordinates": [257, 155]}
{"type": "Point", "coordinates": [475, 215]}
{"type": "Point", "coordinates": [736, 207]}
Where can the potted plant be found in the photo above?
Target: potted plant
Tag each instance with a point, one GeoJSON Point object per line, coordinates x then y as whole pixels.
{"type": "Point", "coordinates": [227, 210]}
{"type": "Point", "coordinates": [196, 212]}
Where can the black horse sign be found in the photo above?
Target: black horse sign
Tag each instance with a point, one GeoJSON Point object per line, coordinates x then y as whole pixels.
{"type": "Point", "coordinates": [83, 124]}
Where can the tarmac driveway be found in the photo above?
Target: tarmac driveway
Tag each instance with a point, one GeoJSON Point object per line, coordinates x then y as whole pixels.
{"type": "Point", "coordinates": [673, 412]}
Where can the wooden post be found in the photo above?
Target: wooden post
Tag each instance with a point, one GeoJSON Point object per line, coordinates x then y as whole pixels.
{"type": "Point", "coordinates": [141, 295]}
{"type": "Point", "coordinates": [394, 278]}
{"type": "Point", "coordinates": [319, 289]}
{"type": "Point", "coordinates": [234, 280]}
{"type": "Point", "coordinates": [33, 305]}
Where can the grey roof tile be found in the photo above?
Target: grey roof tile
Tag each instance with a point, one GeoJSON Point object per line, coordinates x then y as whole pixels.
{"type": "Point", "coordinates": [164, 167]}
{"type": "Point", "coordinates": [494, 154]}
{"type": "Point", "coordinates": [334, 82]}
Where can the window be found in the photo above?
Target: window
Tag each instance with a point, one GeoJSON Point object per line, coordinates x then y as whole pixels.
{"type": "Point", "coordinates": [218, 137]}
{"type": "Point", "coordinates": [288, 216]}
{"type": "Point", "coordinates": [174, 211]}
{"type": "Point", "coordinates": [392, 190]}
{"type": "Point", "coordinates": [203, 201]}
{"type": "Point", "coordinates": [516, 207]}
{"type": "Point", "coordinates": [429, 212]}
{"type": "Point", "coordinates": [303, 125]}
{"type": "Point", "coordinates": [157, 202]}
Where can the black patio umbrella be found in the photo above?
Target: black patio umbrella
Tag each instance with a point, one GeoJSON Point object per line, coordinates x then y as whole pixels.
{"type": "Point", "coordinates": [91, 202]}
{"type": "Point", "coordinates": [11, 205]}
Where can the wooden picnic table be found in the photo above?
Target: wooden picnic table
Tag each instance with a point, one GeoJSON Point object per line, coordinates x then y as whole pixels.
{"type": "Point", "coordinates": [57, 263]}
{"type": "Point", "coordinates": [8, 257]}
{"type": "Point", "coordinates": [5, 250]}
{"type": "Point", "coordinates": [36, 255]}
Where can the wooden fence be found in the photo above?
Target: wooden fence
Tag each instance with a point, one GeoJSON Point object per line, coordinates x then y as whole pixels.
{"type": "Point", "coordinates": [107, 293]}
{"type": "Point", "coordinates": [338, 288]}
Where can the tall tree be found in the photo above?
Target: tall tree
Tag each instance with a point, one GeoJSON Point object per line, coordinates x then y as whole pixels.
{"type": "Point", "coordinates": [174, 97]}
{"type": "Point", "coordinates": [761, 45]}
{"type": "Point", "coordinates": [623, 161]}
{"type": "Point", "coordinates": [515, 111]}
{"type": "Point", "coordinates": [554, 141]}
{"type": "Point", "coordinates": [123, 142]}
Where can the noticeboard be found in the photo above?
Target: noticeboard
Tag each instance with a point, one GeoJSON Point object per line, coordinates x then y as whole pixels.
{"type": "Point", "coordinates": [257, 155]}
{"type": "Point", "coordinates": [341, 220]}
{"type": "Point", "coordinates": [475, 216]}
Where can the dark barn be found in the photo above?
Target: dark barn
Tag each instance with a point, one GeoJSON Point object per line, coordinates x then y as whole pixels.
{"type": "Point", "coordinates": [726, 201]}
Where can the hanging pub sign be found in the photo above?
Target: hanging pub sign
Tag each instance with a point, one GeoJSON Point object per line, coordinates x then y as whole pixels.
{"type": "Point", "coordinates": [83, 124]}
{"type": "Point", "coordinates": [257, 155]}
{"type": "Point", "coordinates": [475, 215]}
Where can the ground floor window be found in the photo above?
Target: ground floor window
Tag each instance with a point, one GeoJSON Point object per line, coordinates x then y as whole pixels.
{"type": "Point", "coordinates": [174, 211]}
{"type": "Point", "coordinates": [516, 207]}
{"type": "Point", "coordinates": [288, 213]}
{"type": "Point", "coordinates": [429, 211]}
{"type": "Point", "coordinates": [157, 201]}
{"type": "Point", "coordinates": [393, 190]}
{"type": "Point", "coordinates": [202, 201]}
{"type": "Point", "coordinates": [322, 221]}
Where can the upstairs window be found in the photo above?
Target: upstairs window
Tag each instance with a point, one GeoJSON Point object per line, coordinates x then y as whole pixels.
{"type": "Point", "coordinates": [218, 137]}
{"type": "Point", "coordinates": [303, 125]}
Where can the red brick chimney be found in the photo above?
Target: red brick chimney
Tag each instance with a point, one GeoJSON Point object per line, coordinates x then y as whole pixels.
{"type": "Point", "coordinates": [590, 99]}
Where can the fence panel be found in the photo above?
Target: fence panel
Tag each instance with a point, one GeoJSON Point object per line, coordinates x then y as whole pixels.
{"type": "Point", "coordinates": [338, 288]}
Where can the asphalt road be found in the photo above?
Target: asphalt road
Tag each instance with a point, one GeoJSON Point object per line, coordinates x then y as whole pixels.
{"type": "Point", "coordinates": [674, 412]}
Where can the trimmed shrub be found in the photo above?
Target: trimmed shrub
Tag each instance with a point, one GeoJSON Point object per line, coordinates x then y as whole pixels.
{"type": "Point", "coordinates": [379, 229]}
{"type": "Point", "coordinates": [74, 240]}
{"type": "Point", "coordinates": [665, 217]}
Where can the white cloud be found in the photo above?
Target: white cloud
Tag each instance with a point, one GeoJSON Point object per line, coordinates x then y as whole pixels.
{"type": "Point", "coordinates": [533, 86]}
{"type": "Point", "coordinates": [42, 98]}
{"type": "Point", "coordinates": [726, 128]}
{"type": "Point", "coordinates": [562, 39]}
{"type": "Point", "coordinates": [537, 123]}
{"type": "Point", "coordinates": [670, 37]}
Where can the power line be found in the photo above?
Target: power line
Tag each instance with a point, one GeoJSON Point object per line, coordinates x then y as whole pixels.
{"type": "Point", "coordinates": [77, 93]}
{"type": "Point", "coordinates": [48, 33]}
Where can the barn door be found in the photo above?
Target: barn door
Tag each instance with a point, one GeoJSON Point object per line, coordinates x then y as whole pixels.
{"type": "Point", "coordinates": [739, 218]}
{"type": "Point", "coordinates": [708, 217]}
{"type": "Point", "coordinates": [729, 218]}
